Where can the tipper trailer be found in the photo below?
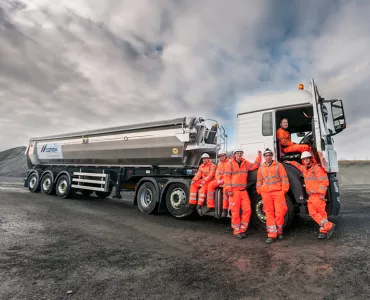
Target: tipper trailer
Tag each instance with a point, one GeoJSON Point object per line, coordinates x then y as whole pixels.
{"type": "Point", "coordinates": [157, 160]}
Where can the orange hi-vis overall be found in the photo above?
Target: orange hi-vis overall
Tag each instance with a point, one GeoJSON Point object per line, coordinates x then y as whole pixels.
{"type": "Point", "coordinates": [235, 177]}
{"type": "Point", "coordinates": [214, 184]}
{"type": "Point", "coordinates": [317, 182]}
{"type": "Point", "coordinates": [272, 185]}
{"type": "Point", "coordinates": [287, 145]}
{"type": "Point", "coordinates": [205, 172]}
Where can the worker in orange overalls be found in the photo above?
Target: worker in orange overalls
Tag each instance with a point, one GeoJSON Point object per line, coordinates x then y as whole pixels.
{"type": "Point", "coordinates": [235, 177]}
{"type": "Point", "coordinates": [283, 137]}
{"type": "Point", "coordinates": [202, 178]}
{"type": "Point", "coordinates": [272, 184]}
{"type": "Point", "coordinates": [316, 182]}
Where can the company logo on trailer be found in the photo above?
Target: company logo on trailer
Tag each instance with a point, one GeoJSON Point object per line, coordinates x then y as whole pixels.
{"type": "Point", "coordinates": [51, 149]}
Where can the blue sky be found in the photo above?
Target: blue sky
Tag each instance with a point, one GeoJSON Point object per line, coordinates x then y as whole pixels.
{"type": "Point", "coordinates": [82, 64]}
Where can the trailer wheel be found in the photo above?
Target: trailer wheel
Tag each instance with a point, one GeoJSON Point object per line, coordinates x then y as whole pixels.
{"type": "Point", "coordinates": [63, 187]}
{"type": "Point", "coordinates": [147, 198]}
{"type": "Point", "coordinates": [33, 183]}
{"type": "Point", "coordinates": [47, 185]}
{"type": "Point", "coordinates": [258, 217]}
{"type": "Point", "coordinates": [177, 197]}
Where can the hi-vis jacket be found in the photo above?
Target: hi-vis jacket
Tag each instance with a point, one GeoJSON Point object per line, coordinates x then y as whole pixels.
{"type": "Point", "coordinates": [206, 172]}
{"type": "Point", "coordinates": [283, 137]}
{"type": "Point", "coordinates": [221, 169]}
{"type": "Point", "coordinates": [236, 175]}
{"type": "Point", "coordinates": [315, 179]}
{"type": "Point", "coordinates": [272, 178]}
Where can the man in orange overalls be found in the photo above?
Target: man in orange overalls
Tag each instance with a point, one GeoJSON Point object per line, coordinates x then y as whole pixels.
{"type": "Point", "coordinates": [316, 182]}
{"type": "Point", "coordinates": [218, 182]}
{"type": "Point", "coordinates": [272, 184]}
{"type": "Point", "coordinates": [236, 177]}
{"type": "Point", "coordinates": [283, 136]}
{"type": "Point", "coordinates": [202, 178]}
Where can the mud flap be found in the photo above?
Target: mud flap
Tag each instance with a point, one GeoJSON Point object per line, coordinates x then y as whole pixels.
{"type": "Point", "coordinates": [334, 195]}
{"type": "Point", "coordinates": [218, 202]}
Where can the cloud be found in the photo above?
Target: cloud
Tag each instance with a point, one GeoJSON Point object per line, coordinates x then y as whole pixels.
{"type": "Point", "coordinates": [74, 65]}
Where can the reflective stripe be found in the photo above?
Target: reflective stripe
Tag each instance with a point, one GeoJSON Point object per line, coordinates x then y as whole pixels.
{"type": "Point", "coordinates": [323, 222]}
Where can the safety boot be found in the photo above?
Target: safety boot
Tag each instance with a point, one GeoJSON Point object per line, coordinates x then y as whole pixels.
{"type": "Point", "coordinates": [322, 236]}
{"type": "Point", "coordinates": [270, 240]}
{"type": "Point", "coordinates": [224, 213]}
{"type": "Point", "coordinates": [330, 232]}
{"type": "Point", "coordinates": [239, 235]}
{"type": "Point", "coordinates": [244, 234]}
{"type": "Point", "coordinates": [280, 237]}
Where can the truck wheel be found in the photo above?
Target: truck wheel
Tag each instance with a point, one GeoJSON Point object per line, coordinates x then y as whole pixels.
{"type": "Point", "coordinates": [33, 183]}
{"type": "Point", "coordinates": [63, 187]}
{"type": "Point", "coordinates": [47, 184]}
{"type": "Point", "coordinates": [177, 197]}
{"type": "Point", "coordinates": [147, 198]}
{"type": "Point", "coordinates": [258, 217]}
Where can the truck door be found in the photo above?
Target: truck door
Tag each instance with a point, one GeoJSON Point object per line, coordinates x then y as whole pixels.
{"type": "Point", "coordinates": [327, 115]}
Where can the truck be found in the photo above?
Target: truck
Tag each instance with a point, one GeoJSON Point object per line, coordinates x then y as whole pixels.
{"type": "Point", "coordinates": [155, 162]}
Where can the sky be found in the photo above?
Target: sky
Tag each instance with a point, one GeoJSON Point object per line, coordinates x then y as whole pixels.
{"type": "Point", "coordinates": [75, 65]}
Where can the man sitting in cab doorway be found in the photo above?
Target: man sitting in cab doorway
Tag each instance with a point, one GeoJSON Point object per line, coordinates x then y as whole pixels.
{"type": "Point", "coordinates": [283, 136]}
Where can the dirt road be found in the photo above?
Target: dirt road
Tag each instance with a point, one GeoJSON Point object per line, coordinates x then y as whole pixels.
{"type": "Point", "coordinates": [85, 248]}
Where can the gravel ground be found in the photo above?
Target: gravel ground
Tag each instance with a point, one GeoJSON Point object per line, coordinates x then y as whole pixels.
{"type": "Point", "coordinates": [86, 248]}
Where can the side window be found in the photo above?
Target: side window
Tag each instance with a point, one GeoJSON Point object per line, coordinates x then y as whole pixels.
{"type": "Point", "coordinates": [267, 124]}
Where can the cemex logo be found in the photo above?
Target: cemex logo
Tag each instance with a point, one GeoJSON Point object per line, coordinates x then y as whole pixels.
{"type": "Point", "coordinates": [45, 148]}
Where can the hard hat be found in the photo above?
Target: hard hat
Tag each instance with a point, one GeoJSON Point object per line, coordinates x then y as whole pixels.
{"type": "Point", "coordinates": [221, 152]}
{"type": "Point", "coordinates": [238, 150]}
{"type": "Point", "coordinates": [205, 155]}
{"type": "Point", "coordinates": [267, 150]}
{"type": "Point", "coordinates": [306, 154]}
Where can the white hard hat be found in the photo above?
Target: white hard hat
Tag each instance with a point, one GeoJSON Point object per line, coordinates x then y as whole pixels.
{"type": "Point", "coordinates": [204, 155]}
{"type": "Point", "coordinates": [221, 152]}
{"type": "Point", "coordinates": [238, 150]}
{"type": "Point", "coordinates": [267, 150]}
{"type": "Point", "coordinates": [306, 154]}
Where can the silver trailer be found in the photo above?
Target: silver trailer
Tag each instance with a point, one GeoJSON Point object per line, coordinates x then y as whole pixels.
{"type": "Point", "coordinates": [155, 161]}
{"type": "Point", "coordinates": [177, 142]}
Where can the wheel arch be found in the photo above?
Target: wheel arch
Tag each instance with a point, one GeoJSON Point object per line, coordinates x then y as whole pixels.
{"type": "Point", "coordinates": [144, 180]}
{"type": "Point", "coordinates": [297, 190]}
{"type": "Point", "coordinates": [64, 173]}
{"type": "Point", "coordinates": [170, 181]}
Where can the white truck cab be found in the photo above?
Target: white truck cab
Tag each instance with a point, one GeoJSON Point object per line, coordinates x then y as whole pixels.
{"type": "Point", "coordinates": [312, 120]}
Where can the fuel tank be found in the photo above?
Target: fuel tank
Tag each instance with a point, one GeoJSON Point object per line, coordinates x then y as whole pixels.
{"type": "Point", "coordinates": [175, 142]}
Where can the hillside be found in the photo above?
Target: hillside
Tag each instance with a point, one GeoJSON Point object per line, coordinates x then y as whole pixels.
{"type": "Point", "coordinates": [13, 162]}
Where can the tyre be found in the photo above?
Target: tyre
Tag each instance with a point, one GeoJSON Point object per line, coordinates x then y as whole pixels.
{"type": "Point", "coordinates": [258, 217]}
{"type": "Point", "coordinates": [47, 184]}
{"type": "Point", "coordinates": [147, 198]}
{"type": "Point", "coordinates": [33, 183]}
{"type": "Point", "coordinates": [177, 196]}
{"type": "Point", "coordinates": [63, 187]}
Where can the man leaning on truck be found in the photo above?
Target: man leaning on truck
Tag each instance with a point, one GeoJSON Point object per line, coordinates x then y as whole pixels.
{"type": "Point", "coordinates": [316, 182]}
